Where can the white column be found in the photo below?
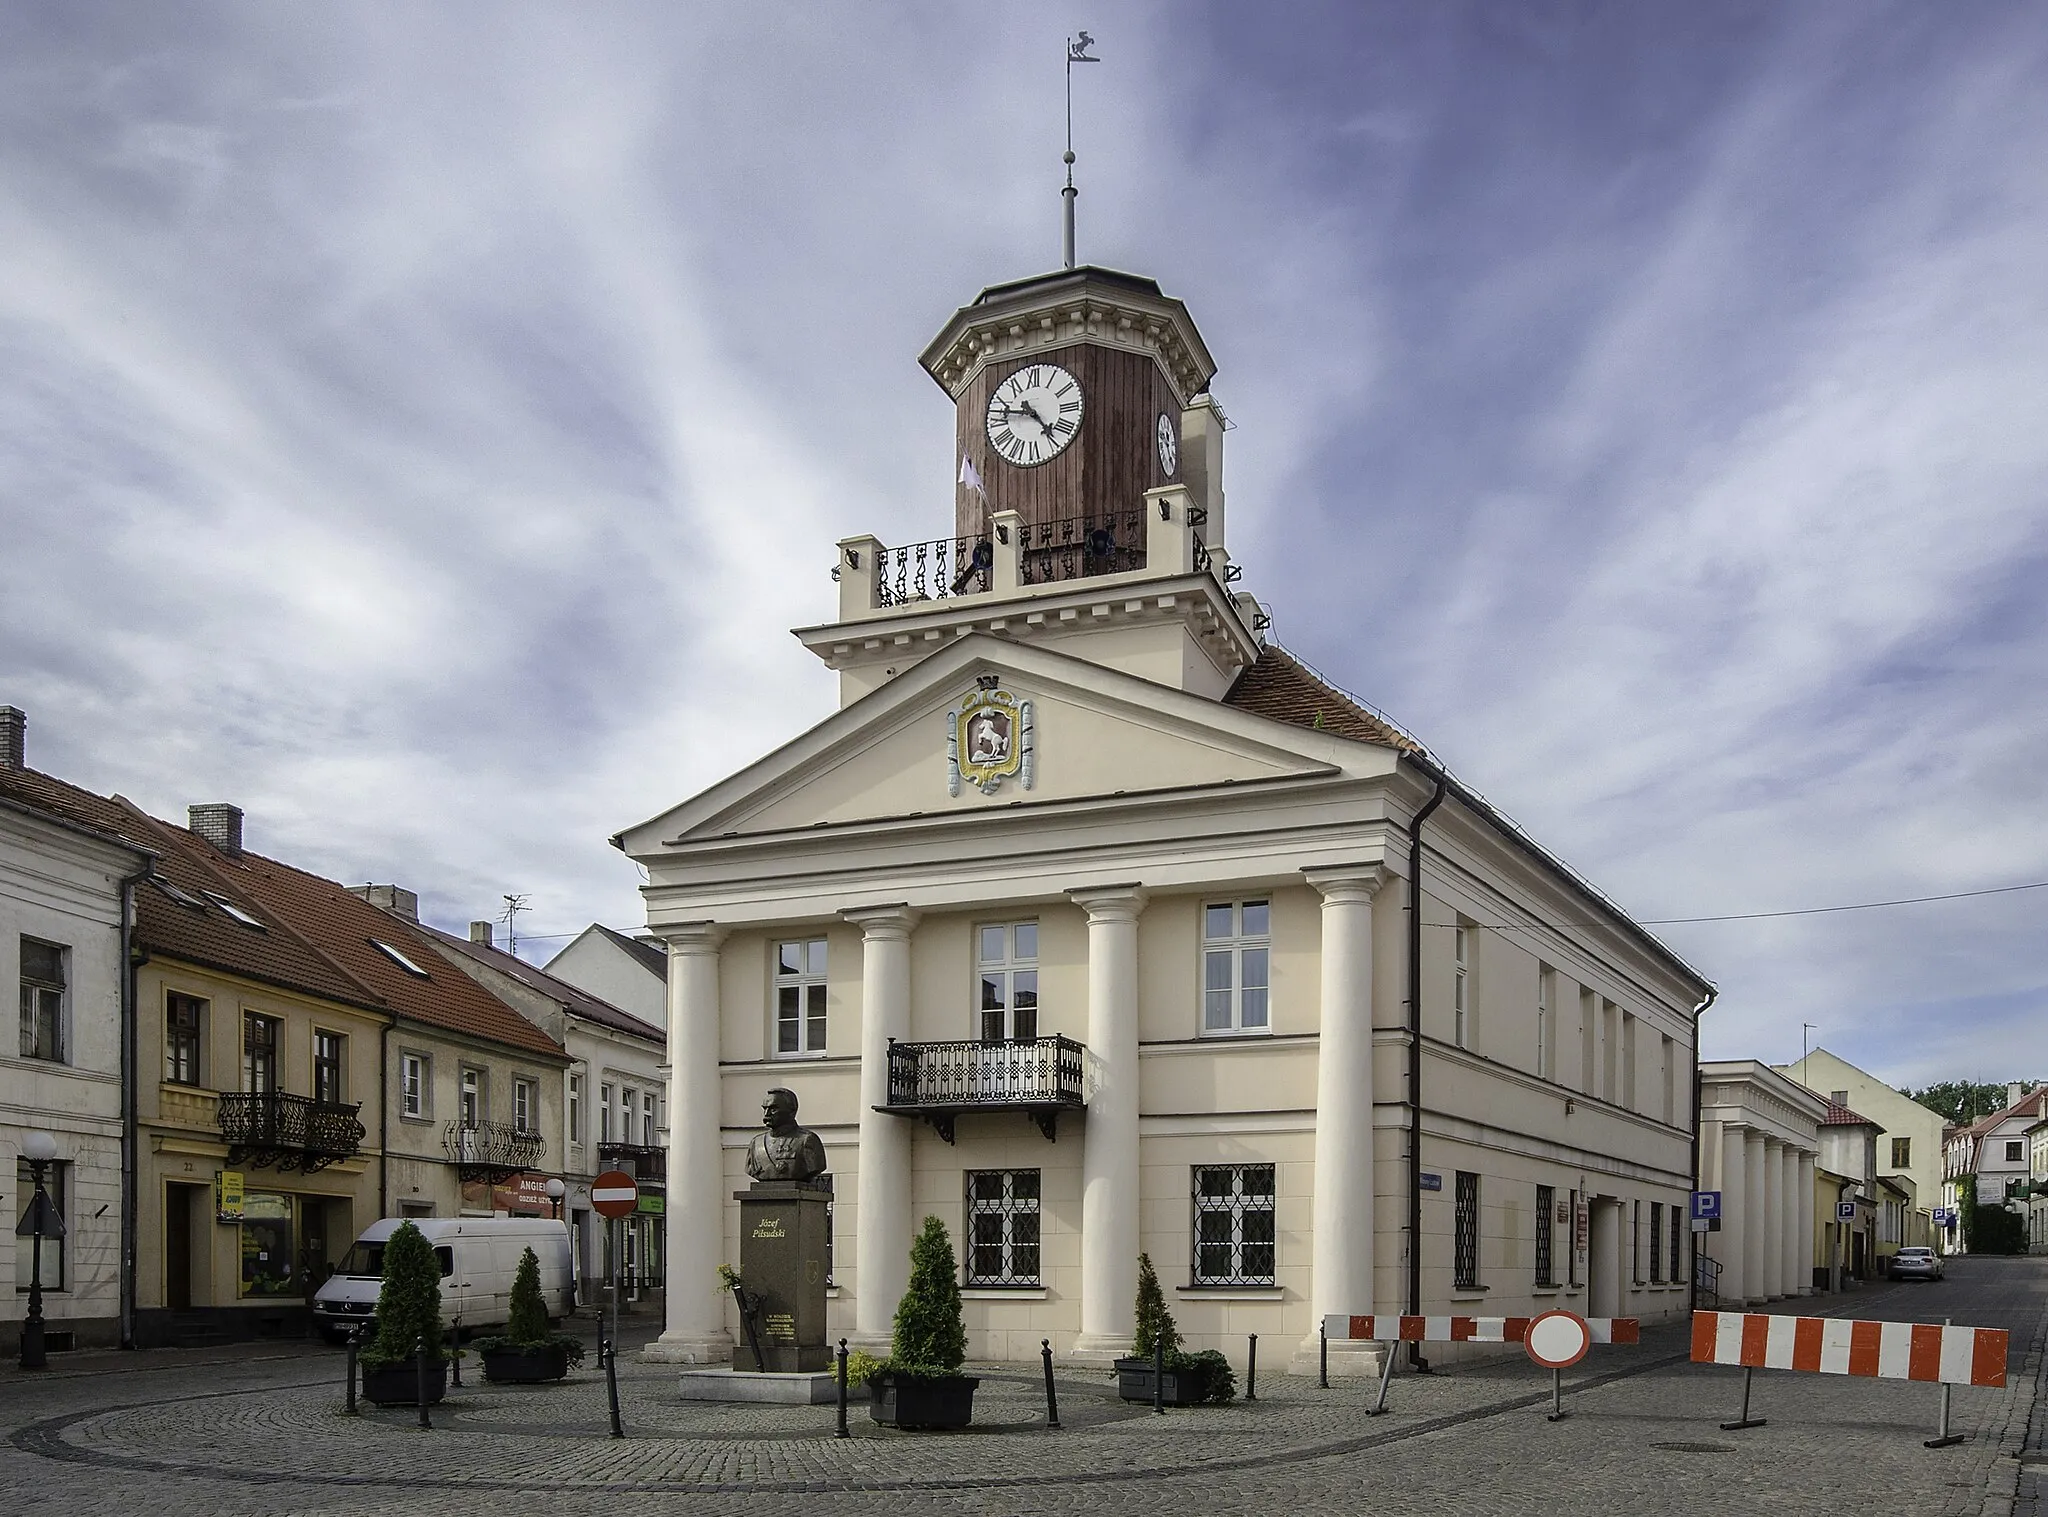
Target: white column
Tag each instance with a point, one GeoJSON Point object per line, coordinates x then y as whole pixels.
{"type": "Point", "coordinates": [695, 1331]}
{"type": "Point", "coordinates": [1804, 1211]}
{"type": "Point", "coordinates": [1789, 1273]}
{"type": "Point", "coordinates": [1728, 1246]}
{"type": "Point", "coordinates": [882, 1217]}
{"type": "Point", "coordinates": [1774, 1215]}
{"type": "Point", "coordinates": [1755, 1286]}
{"type": "Point", "coordinates": [1341, 1255]}
{"type": "Point", "coordinates": [1109, 1155]}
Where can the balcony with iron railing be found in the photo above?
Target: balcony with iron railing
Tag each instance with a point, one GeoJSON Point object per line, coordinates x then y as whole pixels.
{"type": "Point", "coordinates": [270, 1129]}
{"type": "Point", "coordinates": [493, 1151]}
{"type": "Point", "coordinates": [937, 1082]}
{"type": "Point", "coordinates": [643, 1161]}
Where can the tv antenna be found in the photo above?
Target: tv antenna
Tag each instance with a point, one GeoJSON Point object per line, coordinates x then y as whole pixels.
{"type": "Point", "coordinates": [514, 904]}
{"type": "Point", "coordinates": [1077, 52]}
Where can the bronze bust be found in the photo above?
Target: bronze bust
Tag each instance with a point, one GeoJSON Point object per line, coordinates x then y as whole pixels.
{"type": "Point", "coordinates": [783, 1152]}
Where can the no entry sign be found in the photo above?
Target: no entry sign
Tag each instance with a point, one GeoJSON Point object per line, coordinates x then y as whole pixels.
{"type": "Point", "coordinates": [615, 1194]}
{"type": "Point", "coordinates": [1557, 1340]}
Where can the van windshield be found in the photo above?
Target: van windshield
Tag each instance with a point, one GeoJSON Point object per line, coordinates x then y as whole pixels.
{"type": "Point", "coordinates": [366, 1260]}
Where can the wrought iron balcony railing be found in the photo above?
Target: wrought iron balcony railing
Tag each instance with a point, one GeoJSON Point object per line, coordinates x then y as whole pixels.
{"type": "Point", "coordinates": [935, 570]}
{"type": "Point", "coordinates": [642, 1160]}
{"type": "Point", "coordinates": [492, 1151]}
{"type": "Point", "coordinates": [271, 1129]}
{"type": "Point", "coordinates": [1041, 1077]}
{"type": "Point", "coordinates": [1082, 547]}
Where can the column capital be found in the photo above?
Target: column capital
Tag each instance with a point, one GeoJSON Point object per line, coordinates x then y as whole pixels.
{"type": "Point", "coordinates": [693, 937]}
{"type": "Point", "coordinates": [1110, 903]}
{"type": "Point", "coordinates": [1345, 883]}
{"type": "Point", "coordinates": [881, 923]}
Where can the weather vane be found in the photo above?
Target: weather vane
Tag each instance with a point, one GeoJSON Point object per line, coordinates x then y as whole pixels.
{"type": "Point", "coordinates": [1077, 52]}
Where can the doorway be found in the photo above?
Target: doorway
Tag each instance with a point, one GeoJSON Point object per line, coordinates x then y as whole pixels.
{"type": "Point", "coordinates": [180, 1203]}
{"type": "Point", "coordinates": [1603, 1273]}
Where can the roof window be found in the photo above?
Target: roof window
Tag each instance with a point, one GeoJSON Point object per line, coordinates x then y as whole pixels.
{"type": "Point", "coordinates": [182, 897]}
{"type": "Point", "coordinates": [398, 958]}
{"type": "Point", "coordinates": [234, 911]}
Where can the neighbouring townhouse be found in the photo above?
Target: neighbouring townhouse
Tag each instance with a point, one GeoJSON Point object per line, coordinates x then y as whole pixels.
{"type": "Point", "coordinates": [1094, 922]}
{"type": "Point", "coordinates": [66, 904]}
{"type": "Point", "coordinates": [630, 973]}
{"type": "Point", "coordinates": [1760, 1146]}
{"type": "Point", "coordinates": [613, 1103]}
{"type": "Point", "coordinates": [2037, 1187]}
{"type": "Point", "coordinates": [1992, 1156]}
{"type": "Point", "coordinates": [1909, 1146]}
{"type": "Point", "coordinates": [1846, 1202]}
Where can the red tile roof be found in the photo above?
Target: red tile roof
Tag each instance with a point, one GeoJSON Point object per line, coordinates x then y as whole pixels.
{"type": "Point", "coordinates": [2028, 1105]}
{"type": "Point", "coordinates": [1840, 1116]}
{"type": "Point", "coordinates": [575, 1001]}
{"type": "Point", "coordinates": [1282, 688]}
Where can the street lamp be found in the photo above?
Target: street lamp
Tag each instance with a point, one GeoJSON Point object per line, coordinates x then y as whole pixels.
{"type": "Point", "coordinates": [556, 1190]}
{"type": "Point", "coordinates": [40, 1150]}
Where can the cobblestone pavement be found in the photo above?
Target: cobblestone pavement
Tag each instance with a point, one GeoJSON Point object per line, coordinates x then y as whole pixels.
{"type": "Point", "coordinates": [264, 1432]}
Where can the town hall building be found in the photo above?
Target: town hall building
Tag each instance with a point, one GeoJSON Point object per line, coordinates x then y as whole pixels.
{"type": "Point", "coordinates": [1095, 923]}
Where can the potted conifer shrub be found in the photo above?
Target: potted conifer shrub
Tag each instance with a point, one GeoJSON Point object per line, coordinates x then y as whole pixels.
{"type": "Point", "coordinates": [920, 1384]}
{"type": "Point", "coordinates": [408, 1311]}
{"type": "Point", "coordinates": [528, 1352]}
{"type": "Point", "coordinates": [1185, 1379]}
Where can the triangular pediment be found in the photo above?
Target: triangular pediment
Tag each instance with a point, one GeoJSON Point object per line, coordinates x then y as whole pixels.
{"type": "Point", "coordinates": [1092, 732]}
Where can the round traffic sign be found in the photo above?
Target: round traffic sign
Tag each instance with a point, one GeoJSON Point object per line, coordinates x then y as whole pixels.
{"type": "Point", "coordinates": [615, 1194]}
{"type": "Point", "coordinates": [1557, 1340]}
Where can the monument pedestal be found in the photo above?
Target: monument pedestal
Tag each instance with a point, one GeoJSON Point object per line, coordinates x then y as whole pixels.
{"type": "Point", "coordinates": [782, 1265]}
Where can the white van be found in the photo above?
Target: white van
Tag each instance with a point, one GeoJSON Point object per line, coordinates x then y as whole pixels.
{"type": "Point", "coordinates": [479, 1256]}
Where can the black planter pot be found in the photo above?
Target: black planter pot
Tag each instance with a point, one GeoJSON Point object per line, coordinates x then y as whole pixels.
{"type": "Point", "coordinates": [1183, 1387]}
{"type": "Point", "coordinates": [525, 1366]}
{"type": "Point", "coordinates": [912, 1401]}
{"type": "Point", "coordinates": [398, 1384]}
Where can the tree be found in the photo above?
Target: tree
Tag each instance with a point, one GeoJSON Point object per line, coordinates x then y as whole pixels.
{"type": "Point", "coordinates": [1961, 1102]}
{"type": "Point", "coordinates": [529, 1321]}
{"type": "Point", "coordinates": [930, 1336]}
{"type": "Point", "coordinates": [1155, 1324]}
{"type": "Point", "coordinates": [409, 1301]}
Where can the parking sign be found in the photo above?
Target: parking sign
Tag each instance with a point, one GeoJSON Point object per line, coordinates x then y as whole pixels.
{"type": "Point", "coordinates": [1845, 1211]}
{"type": "Point", "coordinates": [1706, 1205]}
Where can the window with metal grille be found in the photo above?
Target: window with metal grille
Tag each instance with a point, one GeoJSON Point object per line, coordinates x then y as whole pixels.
{"type": "Point", "coordinates": [1235, 1224]}
{"type": "Point", "coordinates": [328, 1059]}
{"type": "Point", "coordinates": [1007, 1004]}
{"type": "Point", "coordinates": [42, 1001]}
{"type": "Point", "coordinates": [1465, 1232]}
{"type": "Point", "coordinates": [182, 1014]}
{"type": "Point", "coordinates": [1635, 1241]}
{"type": "Point", "coordinates": [1677, 1221]}
{"type": "Point", "coordinates": [1237, 946]}
{"type": "Point", "coordinates": [1546, 1233]}
{"type": "Point", "coordinates": [1002, 1227]}
{"type": "Point", "coordinates": [1656, 1242]}
{"type": "Point", "coordinates": [259, 1053]}
{"type": "Point", "coordinates": [799, 1000]}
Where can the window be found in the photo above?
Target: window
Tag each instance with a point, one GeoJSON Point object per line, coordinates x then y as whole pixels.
{"type": "Point", "coordinates": [575, 1108]}
{"type": "Point", "coordinates": [1237, 945]}
{"type": "Point", "coordinates": [1902, 1153]}
{"type": "Point", "coordinates": [1235, 1224]}
{"type": "Point", "coordinates": [647, 1118]}
{"type": "Point", "coordinates": [1635, 1241]}
{"type": "Point", "coordinates": [1546, 1233]}
{"type": "Point", "coordinates": [181, 1039]}
{"type": "Point", "coordinates": [1676, 1218]}
{"type": "Point", "coordinates": [472, 1098]}
{"type": "Point", "coordinates": [1461, 986]}
{"type": "Point", "coordinates": [1669, 1053]}
{"type": "Point", "coordinates": [259, 1053]}
{"type": "Point", "coordinates": [56, 1176]}
{"type": "Point", "coordinates": [800, 997]}
{"type": "Point", "coordinates": [234, 911]}
{"type": "Point", "coordinates": [1628, 1061]}
{"type": "Point", "coordinates": [1465, 1233]}
{"type": "Point", "coordinates": [329, 1059]}
{"type": "Point", "coordinates": [1589, 1038]}
{"type": "Point", "coordinates": [1656, 1242]}
{"type": "Point", "coordinates": [42, 1001]}
{"type": "Point", "coordinates": [1546, 1035]}
{"type": "Point", "coordinates": [626, 1114]}
{"type": "Point", "coordinates": [522, 1105]}
{"type": "Point", "coordinates": [604, 1113]}
{"type": "Point", "coordinates": [1002, 1227]}
{"type": "Point", "coordinates": [1571, 1243]}
{"type": "Point", "coordinates": [412, 1084]}
{"type": "Point", "coordinates": [1608, 1050]}
{"type": "Point", "coordinates": [2015, 1152]}
{"type": "Point", "coordinates": [399, 959]}
{"type": "Point", "coordinates": [1008, 960]}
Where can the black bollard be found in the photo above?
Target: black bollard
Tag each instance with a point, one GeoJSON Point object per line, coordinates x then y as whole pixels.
{"type": "Point", "coordinates": [355, 1340]}
{"type": "Point", "coordinates": [1251, 1372]}
{"type": "Point", "coordinates": [1052, 1399]}
{"type": "Point", "coordinates": [1323, 1356]}
{"type": "Point", "coordinates": [609, 1348]}
{"type": "Point", "coordinates": [1159, 1376]}
{"type": "Point", "coordinates": [842, 1433]}
{"type": "Point", "coordinates": [419, 1363]}
{"type": "Point", "coordinates": [455, 1357]}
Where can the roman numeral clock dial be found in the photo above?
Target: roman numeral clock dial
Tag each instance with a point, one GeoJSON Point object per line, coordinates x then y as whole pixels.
{"type": "Point", "coordinates": [1034, 414]}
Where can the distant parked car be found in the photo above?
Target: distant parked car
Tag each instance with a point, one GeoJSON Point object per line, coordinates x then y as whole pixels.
{"type": "Point", "coordinates": [1916, 1264]}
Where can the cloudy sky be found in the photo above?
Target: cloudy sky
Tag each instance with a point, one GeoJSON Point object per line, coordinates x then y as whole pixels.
{"type": "Point", "coordinates": [420, 424]}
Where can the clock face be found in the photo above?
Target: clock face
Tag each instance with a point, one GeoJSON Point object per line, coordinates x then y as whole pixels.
{"type": "Point", "coordinates": [1169, 445]}
{"type": "Point", "coordinates": [1034, 414]}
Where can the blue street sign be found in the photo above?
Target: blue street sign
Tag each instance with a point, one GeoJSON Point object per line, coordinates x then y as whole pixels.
{"type": "Point", "coordinates": [1432, 1182]}
{"type": "Point", "coordinates": [1706, 1205]}
{"type": "Point", "coordinates": [1845, 1211]}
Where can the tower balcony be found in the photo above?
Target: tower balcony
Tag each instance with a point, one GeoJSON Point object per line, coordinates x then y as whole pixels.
{"type": "Point", "coordinates": [937, 1082]}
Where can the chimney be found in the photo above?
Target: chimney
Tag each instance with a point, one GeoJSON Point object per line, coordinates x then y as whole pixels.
{"type": "Point", "coordinates": [13, 738]}
{"type": "Point", "coordinates": [395, 899]}
{"type": "Point", "coordinates": [480, 932]}
{"type": "Point", "coordinates": [219, 823]}
{"type": "Point", "coordinates": [2015, 1093]}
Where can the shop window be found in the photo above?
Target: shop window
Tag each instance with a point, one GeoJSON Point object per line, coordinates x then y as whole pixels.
{"type": "Point", "coordinates": [799, 998]}
{"type": "Point", "coordinates": [183, 1018]}
{"type": "Point", "coordinates": [42, 1001]}
{"type": "Point", "coordinates": [269, 1247]}
{"type": "Point", "coordinates": [1008, 965]}
{"type": "Point", "coordinates": [1236, 1214]}
{"type": "Point", "coordinates": [1237, 950]}
{"type": "Point", "coordinates": [1002, 1227]}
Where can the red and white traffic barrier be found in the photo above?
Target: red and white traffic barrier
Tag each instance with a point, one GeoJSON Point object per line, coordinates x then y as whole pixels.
{"type": "Point", "coordinates": [1849, 1346]}
{"type": "Point", "coordinates": [1391, 1329]}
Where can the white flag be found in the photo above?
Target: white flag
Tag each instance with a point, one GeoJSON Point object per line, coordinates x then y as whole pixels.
{"type": "Point", "coordinates": [969, 478]}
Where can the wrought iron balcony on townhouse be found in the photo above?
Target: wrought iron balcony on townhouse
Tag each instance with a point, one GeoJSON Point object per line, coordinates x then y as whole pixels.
{"type": "Point", "coordinates": [642, 1161]}
{"type": "Point", "coordinates": [1040, 1077]}
{"type": "Point", "coordinates": [493, 1151]}
{"type": "Point", "coordinates": [269, 1129]}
